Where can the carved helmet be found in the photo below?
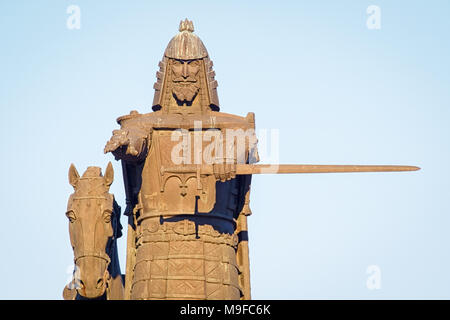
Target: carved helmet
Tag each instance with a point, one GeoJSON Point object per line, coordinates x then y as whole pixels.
{"type": "Point", "coordinates": [185, 46]}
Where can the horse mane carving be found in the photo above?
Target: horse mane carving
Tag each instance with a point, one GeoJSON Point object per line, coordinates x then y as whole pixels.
{"type": "Point", "coordinates": [94, 227]}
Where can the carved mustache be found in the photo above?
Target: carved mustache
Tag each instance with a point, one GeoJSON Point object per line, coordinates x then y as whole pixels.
{"type": "Point", "coordinates": [181, 79]}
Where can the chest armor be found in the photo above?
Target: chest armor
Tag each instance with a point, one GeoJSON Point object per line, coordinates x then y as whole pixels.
{"type": "Point", "coordinates": [169, 189]}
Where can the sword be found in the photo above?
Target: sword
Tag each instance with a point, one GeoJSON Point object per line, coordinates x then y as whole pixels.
{"type": "Point", "coordinates": [243, 169]}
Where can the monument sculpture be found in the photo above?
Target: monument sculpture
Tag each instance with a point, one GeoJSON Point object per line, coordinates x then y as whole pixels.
{"type": "Point", "coordinates": [187, 171]}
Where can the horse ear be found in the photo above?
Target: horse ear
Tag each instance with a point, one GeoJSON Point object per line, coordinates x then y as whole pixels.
{"type": "Point", "coordinates": [73, 175]}
{"type": "Point", "coordinates": [109, 174]}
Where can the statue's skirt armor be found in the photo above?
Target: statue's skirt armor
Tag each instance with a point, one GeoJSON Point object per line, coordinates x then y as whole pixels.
{"type": "Point", "coordinates": [184, 259]}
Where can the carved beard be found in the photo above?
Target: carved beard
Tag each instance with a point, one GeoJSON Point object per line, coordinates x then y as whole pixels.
{"type": "Point", "coordinates": [185, 92]}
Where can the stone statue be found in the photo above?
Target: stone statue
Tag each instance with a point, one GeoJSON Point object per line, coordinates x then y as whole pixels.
{"type": "Point", "coordinates": [183, 241]}
{"type": "Point", "coordinates": [187, 171]}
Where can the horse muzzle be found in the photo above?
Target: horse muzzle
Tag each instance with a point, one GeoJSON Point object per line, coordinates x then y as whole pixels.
{"type": "Point", "coordinates": [92, 276]}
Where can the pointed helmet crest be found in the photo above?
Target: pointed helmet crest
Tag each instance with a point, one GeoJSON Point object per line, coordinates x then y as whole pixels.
{"type": "Point", "coordinates": [186, 45]}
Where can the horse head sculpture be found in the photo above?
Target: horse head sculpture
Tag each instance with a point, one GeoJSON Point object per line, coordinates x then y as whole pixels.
{"type": "Point", "coordinates": [94, 227]}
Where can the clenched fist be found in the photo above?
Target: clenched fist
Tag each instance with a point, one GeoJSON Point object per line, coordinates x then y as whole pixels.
{"type": "Point", "coordinates": [126, 142]}
{"type": "Point", "coordinates": [225, 171]}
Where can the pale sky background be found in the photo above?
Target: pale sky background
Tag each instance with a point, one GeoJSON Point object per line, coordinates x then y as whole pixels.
{"type": "Point", "coordinates": [338, 93]}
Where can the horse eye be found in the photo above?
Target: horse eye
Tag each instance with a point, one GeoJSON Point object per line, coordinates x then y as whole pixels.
{"type": "Point", "coordinates": [107, 216]}
{"type": "Point", "coordinates": [71, 215]}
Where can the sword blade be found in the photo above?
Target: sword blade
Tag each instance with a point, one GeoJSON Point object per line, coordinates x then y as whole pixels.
{"type": "Point", "coordinates": [242, 169]}
{"type": "Point", "coordinates": [312, 168]}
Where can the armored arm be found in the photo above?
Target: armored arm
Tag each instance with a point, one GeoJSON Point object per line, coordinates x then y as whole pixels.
{"type": "Point", "coordinates": [130, 144]}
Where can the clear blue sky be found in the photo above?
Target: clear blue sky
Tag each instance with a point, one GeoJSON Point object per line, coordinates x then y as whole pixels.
{"type": "Point", "coordinates": [338, 93]}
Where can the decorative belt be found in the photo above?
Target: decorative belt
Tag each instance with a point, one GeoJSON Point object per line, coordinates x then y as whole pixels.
{"type": "Point", "coordinates": [183, 230]}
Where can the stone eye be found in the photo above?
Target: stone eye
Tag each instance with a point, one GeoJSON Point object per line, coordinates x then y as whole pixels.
{"type": "Point", "coordinates": [71, 215]}
{"type": "Point", "coordinates": [107, 216]}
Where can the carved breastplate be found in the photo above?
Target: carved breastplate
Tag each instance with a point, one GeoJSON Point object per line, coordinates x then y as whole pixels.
{"type": "Point", "coordinates": [167, 191]}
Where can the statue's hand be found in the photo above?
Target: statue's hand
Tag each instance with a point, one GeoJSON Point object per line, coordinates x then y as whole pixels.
{"type": "Point", "coordinates": [126, 142]}
{"type": "Point", "coordinates": [119, 138]}
{"type": "Point", "coordinates": [224, 171]}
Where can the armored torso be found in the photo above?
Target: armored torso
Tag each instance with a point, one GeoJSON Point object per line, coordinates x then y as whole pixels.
{"type": "Point", "coordinates": [185, 221]}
